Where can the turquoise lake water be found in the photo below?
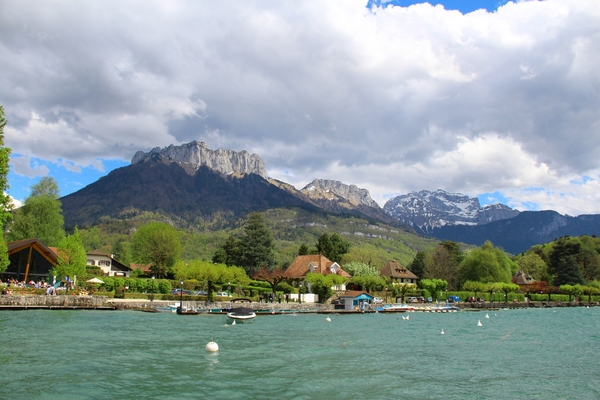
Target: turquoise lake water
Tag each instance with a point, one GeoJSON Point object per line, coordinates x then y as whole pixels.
{"type": "Point", "coordinates": [516, 354]}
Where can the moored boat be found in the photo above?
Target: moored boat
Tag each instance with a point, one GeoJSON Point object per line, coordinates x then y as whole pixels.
{"type": "Point", "coordinates": [240, 315]}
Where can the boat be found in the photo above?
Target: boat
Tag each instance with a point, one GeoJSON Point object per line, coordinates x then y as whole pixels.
{"type": "Point", "coordinates": [172, 308]}
{"type": "Point", "coordinates": [240, 315]}
{"type": "Point", "coordinates": [186, 311]}
{"type": "Point", "coordinates": [397, 308]}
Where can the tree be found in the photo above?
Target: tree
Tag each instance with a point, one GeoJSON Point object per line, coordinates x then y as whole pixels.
{"type": "Point", "coordinates": [571, 290]}
{"type": "Point", "coordinates": [532, 264]}
{"type": "Point", "coordinates": [210, 274]}
{"type": "Point", "coordinates": [272, 277]}
{"type": "Point", "coordinates": [507, 288]}
{"type": "Point", "coordinates": [443, 264]}
{"type": "Point", "coordinates": [401, 289]}
{"type": "Point", "coordinates": [493, 287]}
{"type": "Point", "coordinates": [365, 253]}
{"type": "Point", "coordinates": [41, 215]}
{"type": "Point", "coordinates": [156, 243]}
{"type": "Point", "coordinates": [563, 262]}
{"type": "Point", "coordinates": [6, 205]}
{"type": "Point", "coordinates": [303, 250]}
{"type": "Point", "coordinates": [434, 287]}
{"type": "Point", "coordinates": [474, 286]}
{"type": "Point", "coordinates": [368, 282]}
{"type": "Point", "coordinates": [417, 266]}
{"type": "Point", "coordinates": [486, 264]}
{"type": "Point", "coordinates": [323, 284]}
{"type": "Point", "coordinates": [356, 268]}
{"type": "Point", "coordinates": [72, 257]}
{"type": "Point", "coordinates": [228, 253]}
{"type": "Point", "coordinates": [256, 247]}
{"type": "Point", "coordinates": [333, 247]}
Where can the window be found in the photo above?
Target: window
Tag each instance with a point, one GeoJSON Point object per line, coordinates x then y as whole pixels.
{"type": "Point", "coordinates": [91, 262]}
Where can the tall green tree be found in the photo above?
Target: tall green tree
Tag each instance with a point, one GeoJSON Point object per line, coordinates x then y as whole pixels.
{"type": "Point", "coordinates": [41, 215]}
{"type": "Point", "coordinates": [303, 250]}
{"type": "Point", "coordinates": [333, 247]}
{"type": "Point", "coordinates": [256, 247]}
{"type": "Point", "coordinates": [157, 243]}
{"type": "Point", "coordinates": [434, 287]}
{"type": "Point", "coordinates": [417, 266]}
{"type": "Point", "coordinates": [486, 264]}
{"type": "Point", "coordinates": [563, 262]}
{"type": "Point", "coordinates": [5, 200]}
{"type": "Point", "coordinates": [356, 268]}
{"type": "Point", "coordinates": [442, 264]}
{"type": "Point", "coordinates": [72, 257]}
{"type": "Point", "coordinates": [532, 264]}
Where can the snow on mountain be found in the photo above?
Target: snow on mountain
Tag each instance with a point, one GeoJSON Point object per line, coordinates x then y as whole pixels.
{"type": "Point", "coordinates": [428, 210]}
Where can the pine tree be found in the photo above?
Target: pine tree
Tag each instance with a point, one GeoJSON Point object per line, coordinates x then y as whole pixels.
{"type": "Point", "coordinates": [256, 248]}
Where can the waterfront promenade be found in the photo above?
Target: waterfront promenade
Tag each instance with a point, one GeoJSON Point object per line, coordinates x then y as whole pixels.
{"type": "Point", "coordinates": [69, 302]}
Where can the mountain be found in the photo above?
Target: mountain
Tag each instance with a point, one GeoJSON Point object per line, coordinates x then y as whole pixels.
{"type": "Point", "coordinates": [429, 211]}
{"type": "Point", "coordinates": [193, 186]}
{"type": "Point", "coordinates": [528, 228]}
{"type": "Point", "coordinates": [176, 190]}
{"type": "Point", "coordinates": [197, 154]}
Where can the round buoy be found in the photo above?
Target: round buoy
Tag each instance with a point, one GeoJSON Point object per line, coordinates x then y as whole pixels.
{"type": "Point", "coordinates": [442, 331]}
{"type": "Point", "coordinates": [212, 347]}
{"type": "Point", "coordinates": [328, 319]}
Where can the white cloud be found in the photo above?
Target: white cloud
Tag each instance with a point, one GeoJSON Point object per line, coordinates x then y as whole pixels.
{"type": "Point", "coordinates": [23, 165]}
{"type": "Point", "coordinates": [392, 99]}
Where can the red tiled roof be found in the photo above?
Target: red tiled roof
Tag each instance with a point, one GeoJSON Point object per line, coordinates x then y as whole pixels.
{"type": "Point", "coordinates": [301, 266]}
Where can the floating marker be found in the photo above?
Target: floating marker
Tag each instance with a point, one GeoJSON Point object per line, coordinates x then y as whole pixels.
{"type": "Point", "coordinates": [487, 315]}
{"type": "Point", "coordinates": [212, 347]}
{"type": "Point", "coordinates": [442, 331]}
{"type": "Point", "coordinates": [479, 323]}
{"type": "Point", "coordinates": [328, 319]}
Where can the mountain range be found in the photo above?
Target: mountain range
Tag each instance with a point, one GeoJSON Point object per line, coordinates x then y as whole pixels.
{"type": "Point", "coordinates": [192, 186]}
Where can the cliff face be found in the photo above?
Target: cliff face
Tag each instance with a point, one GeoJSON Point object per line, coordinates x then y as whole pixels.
{"type": "Point", "coordinates": [332, 190]}
{"type": "Point", "coordinates": [197, 154]}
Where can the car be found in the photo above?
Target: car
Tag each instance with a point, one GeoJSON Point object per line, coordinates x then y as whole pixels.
{"type": "Point", "coordinates": [453, 299]}
{"type": "Point", "coordinates": [377, 300]}
{"type": "Point", "coordinates": [180, 291]}
{"type": "Point", "coordinates": [201, 293]}
{"type": "Point", "coordinates": [222, 294]}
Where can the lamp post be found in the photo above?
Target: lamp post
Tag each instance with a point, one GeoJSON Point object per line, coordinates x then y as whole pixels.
{"type": "Point", "coordinates": [299, 293]}
{"type": "Point", "coordinates": [181, 296]}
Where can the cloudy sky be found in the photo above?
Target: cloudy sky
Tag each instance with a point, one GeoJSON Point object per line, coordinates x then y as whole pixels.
{"type": "Point", "coordinates": [498, 100]}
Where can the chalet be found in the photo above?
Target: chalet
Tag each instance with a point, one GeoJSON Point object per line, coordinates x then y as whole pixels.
{"type": "Point", "coordinates": [521, 278]}
{"type": "Point", "coordinates": [29, 260]}
{"type": "Point", "coordinates": [398, 274]}
{"type": "Point", "coordinates": [318, 263]}
{"type": "Point", "coordinates": [108, 264]}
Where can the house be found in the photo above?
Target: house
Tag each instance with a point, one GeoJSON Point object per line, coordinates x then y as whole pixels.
{"type": "Point", "coordinates": [356, 300]}
{"type": "Point", "coordinates": [521, 278]}
{"type": "Point", "coordinates": [318, 263]}
{"type": "Point", "coordinates": [107, 264]}
{"type": "Point", "coordinates": [29, 260]}
{"type": "Point", "coordinates": [398, 274]}
{"type": "Point", "coordinates": [145, 268]}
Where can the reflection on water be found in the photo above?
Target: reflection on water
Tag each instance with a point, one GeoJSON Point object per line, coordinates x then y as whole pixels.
{"type": "Point", "coordinates": [124, 354]}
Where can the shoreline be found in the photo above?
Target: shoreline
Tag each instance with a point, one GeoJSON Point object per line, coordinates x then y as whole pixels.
{"type": "Point", "coordinates": [17, 302]}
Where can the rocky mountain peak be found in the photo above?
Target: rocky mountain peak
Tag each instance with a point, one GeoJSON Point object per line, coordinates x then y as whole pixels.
{"type": "Point", "coordinates": [428, 210]}
{"type": "Point", "coordinates": [198, 154]}
{"type": "Point", "coordinates": [333, 190]}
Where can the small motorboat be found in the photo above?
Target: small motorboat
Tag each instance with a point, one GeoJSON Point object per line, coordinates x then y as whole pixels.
{"type": "Point", "coordinates": [240, 315]}
{"type": "Point", "coordinates": [186, 311]}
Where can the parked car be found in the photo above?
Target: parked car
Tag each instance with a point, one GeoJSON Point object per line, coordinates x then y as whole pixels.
{"type": "Point", "coordinates": [179, 291]}
{"type": "Point", "coordinates": [223, 294]}
{"type": "Point", "coordinates": [201, 293]}
{"type": "Point", "coordinates": [453, 299]}
{"type": "Point", "coordinates": [377, 300]}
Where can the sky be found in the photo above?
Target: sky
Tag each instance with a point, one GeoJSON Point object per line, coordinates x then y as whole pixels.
{"type": "Point", "coordinates": [493, 99]}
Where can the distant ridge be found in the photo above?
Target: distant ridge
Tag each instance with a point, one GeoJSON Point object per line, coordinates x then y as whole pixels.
{"type": "Point", "coordinates": [197, 154]}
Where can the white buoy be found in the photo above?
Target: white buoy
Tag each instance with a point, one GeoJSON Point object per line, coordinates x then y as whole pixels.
{"type": "Point", "coordinates": [479, 323]}
{"type": "Point", "coordinates": [328, 319]}
{"type": "Point", "coordinates": [407, 317]}
{"type": "Point", "coordinates": [212, 347]}
{"type": "Point", "coordinates": [487, 315]}
{"type": "Point", "coordinates": [233, 323]}
{"type": "Point", "coordinates": [442, 331]}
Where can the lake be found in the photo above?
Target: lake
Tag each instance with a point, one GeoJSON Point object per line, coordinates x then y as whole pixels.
{"type": "Point", "coordinates": [515, 354]}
